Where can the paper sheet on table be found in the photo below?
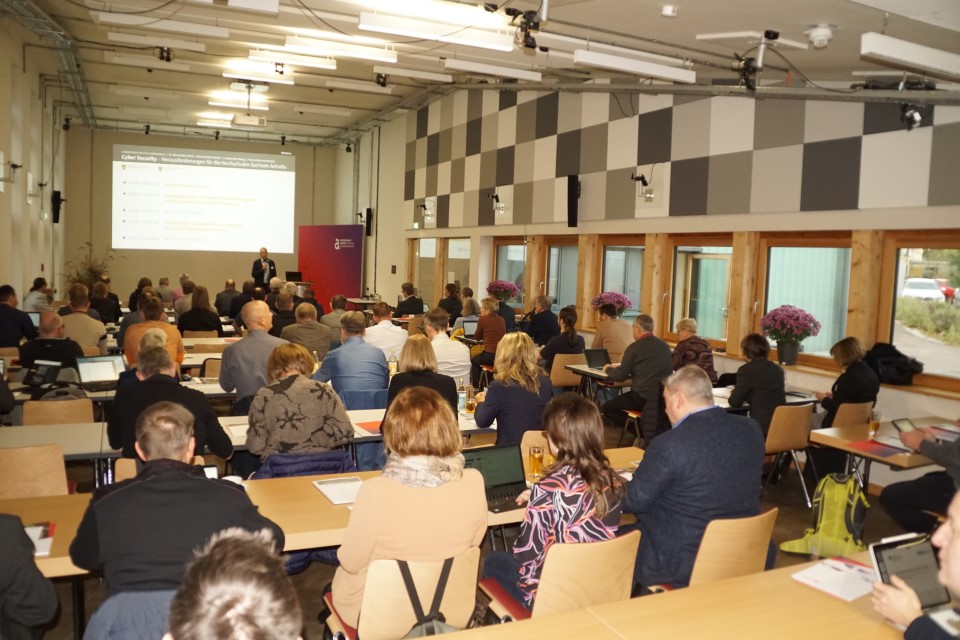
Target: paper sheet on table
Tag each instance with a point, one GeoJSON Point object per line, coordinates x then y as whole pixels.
{"type": "Point", "coordinates": [372, 427]}
{"type": "Point", "coordinates": [42, 536]}
{"type": "Point", "coordinates": [236, 430]}
{"type": "Point", "coordinates": [339, 490]}
{"type": "Point", "coordinates": [840, 577]}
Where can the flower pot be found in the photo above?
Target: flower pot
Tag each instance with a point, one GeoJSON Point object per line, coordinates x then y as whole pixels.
{"type": "Point", "coordinates": [787, 352]}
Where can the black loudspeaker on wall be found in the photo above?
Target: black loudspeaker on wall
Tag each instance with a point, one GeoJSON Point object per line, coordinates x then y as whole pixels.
{"type": "Point", "coordinates": [369, 220]}
{"type": "Point", "coordinates": [56, 199]}
{"type": "Point", "coordinates": [573, 200]}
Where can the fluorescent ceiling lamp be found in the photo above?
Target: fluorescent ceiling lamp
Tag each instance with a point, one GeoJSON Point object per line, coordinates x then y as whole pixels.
{"type": "Point", "coordinates": [148, 62]}
{"type": "Point", "coordinates": [453, 34]}
{"type": "Point", "coordinates": [243, 87]}
{"type": "Point", "coordinates": [144, 92]}
{"type": "Point", "coordinates": [908, 55]}
{"type": "Point", "coordinates": [566, 43]}
{"type": "Point", "coordinates": [238, 100]}
{"type": "Point", "coordinates": [441, 11]}
{"type": "Point", "coordinates": [639, 67]}
{"type": "Point", "coordinates": [217, 124]}
{"type": "Point", "coordinates": [491, 70]}
{"type": "Point", "coordinates": [175, 26]}
{"type": "Point", "coordinates": [292, 58]}
{"type": "Point", "coordinates": [753, 36]}
{"type": "Point", "coordinates": [413, 73]}
{"type": "Point", "coordinates": [156, 41]}
{"type": "Point", "coordinates": [214, 115]}
{"type": "Point", "coordinates": [312, 46]}
{"type": "Point", "coordinates": [261, 6]}
{"type": "Point", "coordinates": [243, 69]}
{"type": "Point", "coordinates": [356, 85]}
{"type": "Point", "coordinates": [321, 109]}
{"type": "Point", "coordinates": [147, 112]}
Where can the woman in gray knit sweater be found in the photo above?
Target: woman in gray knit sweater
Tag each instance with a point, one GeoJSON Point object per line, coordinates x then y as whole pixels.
{"type": "Point", "coordinates": [296, 414]}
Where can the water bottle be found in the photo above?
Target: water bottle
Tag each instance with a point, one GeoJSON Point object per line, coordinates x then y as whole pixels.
{"type": "Point", "coordinates": [461, 397]}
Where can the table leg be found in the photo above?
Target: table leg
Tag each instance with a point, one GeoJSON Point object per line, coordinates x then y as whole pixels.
{"type": "Point", "coordinates": [79, 606]}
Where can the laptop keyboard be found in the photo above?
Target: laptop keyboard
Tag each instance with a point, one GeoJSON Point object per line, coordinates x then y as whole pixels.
{"type": "Point", "coordinates": [503, 500]}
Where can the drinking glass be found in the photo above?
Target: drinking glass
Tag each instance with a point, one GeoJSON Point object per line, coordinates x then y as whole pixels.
{"type": "Point", "coordinates": [536, 462]}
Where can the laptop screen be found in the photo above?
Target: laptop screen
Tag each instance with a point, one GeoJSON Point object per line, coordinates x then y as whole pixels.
{"type": "Point", "coordinates": [100, 368]}
{"type": "Point", "coordinates": [498, 465]}
{"type": "Point", "coordinates": [596, 358]}
{"type": "Point", "coordinates": [34, 317]}
{"type": "Point", "coordinates": [469, 328]}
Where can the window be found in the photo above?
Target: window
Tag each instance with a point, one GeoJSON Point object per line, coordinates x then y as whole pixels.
{"type": "Point", "coordinates": [562, 275]}
{"type": "Point", "coordinates": [458, 262]}
{"type": "Point", "coordinates": [815, 279]}
{"type": "Point", "coordinates": [511, 263]}
{"type": "Point", "coordinates": [423, 267]}
{"type": "Point", "coordinates": [623, 273]}
{"type": "Point", "coordinates": [700, 288]}
{"type": "Point", "coordinates": [926, 318]}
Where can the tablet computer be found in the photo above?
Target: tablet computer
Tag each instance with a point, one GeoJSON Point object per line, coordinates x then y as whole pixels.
{"type": "Point", "coordinates": [913, 559]}
{"type": "Point", "coordinates": [904, 425]}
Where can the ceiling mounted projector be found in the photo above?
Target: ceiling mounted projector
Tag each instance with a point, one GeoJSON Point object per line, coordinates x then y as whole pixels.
{"type": "Point", "coordinates": [249, 120]}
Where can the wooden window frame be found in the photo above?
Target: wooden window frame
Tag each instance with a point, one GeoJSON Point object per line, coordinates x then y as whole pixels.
{"type": "Point", "coordinates": [704, 240]}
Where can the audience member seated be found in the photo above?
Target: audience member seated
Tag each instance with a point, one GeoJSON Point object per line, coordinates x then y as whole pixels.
{"type": "Point", "coordinates": [308, 332]}
{"type": "Point", "coordinates": [51, 345]}
{"type": "Point", "coordinates": [451, 302]}
{"type": "Point", "coordinates": [354, 365]}
{"type": "Point", "coordinates": [418, 368]}
{"type": "Point", "coordinates": [613, 333]}
{"type": "Point", "coordinates": [338, 307]}
{"type": "Point", "coordinates": [295, 414]}
{"type": "Point", "coordinates": [760, 382]}
{"type": "Point", "coordinates": [706, 468]}
{"type": "Point", "coordinates": [133, 317]}
{"type": "Point", "coordinates": [284, 316]}
{"type": "Point", "coordinates": [914, 504]}
{"type": "Point", "coordinates": [244, 363]}
{"type": "Point", "coordinates": [490, 331]}
{"type": "Point", "coordinates": [185, 302]}
{"type": "Point", "coordinates": [578, 500]}
{"type": "Point", "coordinates": [899, 604]}
{"type": "Point", "coordinates": [310, 298]}
{"type": "Point", "coordinates": [645, 363]}
{"type": "Point", "coordinates": [424, 507]}
{"type": "Point", "coordinates": [178, 292]}
{"type": "Point", "coordinates": [28, 601]}
{"type": "Point", "coordinates": [107, 309]}
{"type": "Point", "coordinates": [225, 297]}
{"type": "Point", "coordinates": [236, 589]}
{"type": "Point", "coordinates": [410, 304]}
{"type": "Point", "coordinates": [543, 321]}
{"type": "Point", "coordinates": [241, 299]}
{"type": "Point", "coordinates": [105, 279]}
{"type": "Point", "coordinates": [276, 284]}
{"type": "Point", "coordinates": [165, 291]}
{"type": "Point", "coordinates": [135, 294]}
{"type": "Point", "coordinates": [200, 316]}
{"type": "Point", "coordinates": [153, 318]}
{"type": "Point", "coordinates": [15, 325]}
{"type": "Point", "coordinates": [39, 297]}
{"type": "Point", "coordinates": [567, 342]}
{"type": "Point", "coordinates": [692, 349]}
{"type": "Point", "coordinates": [157, 382]}
{"type": "Point", "coordinates": [519, 391]}
{"type": "Point", "coordinates": [78, 325]}
{"type": "Point", "coordinates": [385, 335]}
{"type": "Point", "coordinates": [142, 532]}
{"type": "Point", "coordinates": [84, 308]}
{"type": "Point", "coordinates": [7, 401]}
{"type": "Point", "coordinates": [509, 315]}
{"type": "Point", "coordinates": [151, 338]}
{"type": "Point", "coordinates": [453, 357]}
{"type": "Point", "coordinates": [469, 311]}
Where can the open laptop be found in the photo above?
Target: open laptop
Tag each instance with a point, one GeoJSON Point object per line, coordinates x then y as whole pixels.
{"type": "Point", "coordinates": [100, 373]}
{"type": "Point", "coordinates": [469, 328]}
{"type": "Point", "coordinates": [596, 358]}
{"type": "Point", "coordinates": [503, 475]}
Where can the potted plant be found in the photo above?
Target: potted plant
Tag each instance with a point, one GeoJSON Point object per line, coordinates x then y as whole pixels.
{"type": "Point", "coordinates": [618, 300]}
{"type": "Point", "coordinates": [502, 290]}
{"type": "Point", "coordinates": [87, 268]}
{"type": "Point", "coordinates": [789, 326]}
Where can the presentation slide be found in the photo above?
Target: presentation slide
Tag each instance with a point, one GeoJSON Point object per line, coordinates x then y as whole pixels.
{"type": "Point", "coordinates": [187, 200]}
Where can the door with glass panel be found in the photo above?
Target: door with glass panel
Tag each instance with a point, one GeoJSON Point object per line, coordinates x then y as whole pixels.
{"type": "Point", "coordinates": [700, 289]}
{"type": "Point", "coordinates": [561, 282]}
{"type": "Point", "coordinates": [511, 264]}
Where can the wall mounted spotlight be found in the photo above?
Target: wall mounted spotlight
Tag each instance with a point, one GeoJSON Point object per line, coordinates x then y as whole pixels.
{"type": "Point", "coordinates": [910, 116]}
{"type": "Point", "coordinates": [641, 179]}
{"type": "Point", "coordinates": [66, 123]}
{"type": "Point", "coordinates": [349, 148]}
{"type": "Point", "coordinates": [146, 129]}
{"type": "Point", "coordinates": [13, 167]}
{"type": "Point", "coordinates": [381, 79]}
{"type": "Point", "coordinates": [283, 141]}
{"type": "Point", "coordinates": [216, 134]}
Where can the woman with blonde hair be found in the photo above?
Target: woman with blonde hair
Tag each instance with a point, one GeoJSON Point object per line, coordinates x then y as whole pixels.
{"type": "Point", "coordinates": [424, 507]}
{"type": "Point", "coordinates": [418, 368]}
{"type": "Point", "coordinates": [519, 391]}
{"type": "Point", "coordinates": [295, 414]}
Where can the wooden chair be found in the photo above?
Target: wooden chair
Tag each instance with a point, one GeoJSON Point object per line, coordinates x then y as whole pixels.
{"type": "Point", "coordinates": [79, 411]}
{"type": "Point", "coordinates": [413, 326]}
{"type": "Point", "coordinates": [90, 351]}
{"type": "Point", "coordinates": [199, 334]}
{"type": "Point", "coordinates": [575, 576]}
{"type": "Point", "coordinates": [126, 468]}
{"type": "Point", "coordinates": [560, 376]}
{"type": "Point", "coordinates": [30, 472]}
{"type": "Point", "coordinates": [210, 348]}
{"type": "Point", "coordinates": [633, 418]}
{"type": "Point", "coordinates": [210, 368]}
{"type": "Point", "coordinates": [789, 433]}
{"type": "Point", "coordinates": [385, 611]}
{"type": "Point", "coordinates": [10, 352]}
{"type": "Point", "coordinates": [851, 414]}
{"type": "Point", "coordinates": [486, 376]}
{"type": "Point", "coordinates": [733, 547]}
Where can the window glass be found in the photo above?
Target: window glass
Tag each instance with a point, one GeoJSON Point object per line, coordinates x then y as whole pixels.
{"type": "Point", "coordinates": [424, 266]}
{"type": "Point", "coordinates": [815, 279]}
{"type": "Point", "coordinates": [511, 263]}
{"type": "Point", "coordinates": [458, 262]}
{"type": "Point", "coordinates": [926, 316]}
{"type": "Point", "coordinates": [562, 276]}
{"type": "Point", "coordinates": [623, 273]}
{"type": "Point", "coordinates": [700, 291]}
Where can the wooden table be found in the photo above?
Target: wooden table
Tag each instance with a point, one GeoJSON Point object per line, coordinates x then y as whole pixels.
{"type": "Point", "coordinates": [87, 441]}
{"type": "Point", "coordinates": [189, 343]}
{"type": "Point", "coordinates": [582, 625]}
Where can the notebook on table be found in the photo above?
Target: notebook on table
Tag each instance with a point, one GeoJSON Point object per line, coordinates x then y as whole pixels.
{"type": "Point", "coordinates": [596, 358]}
{"type": "Point", "coordinates": [503, 475]}
{"type": "Point", "coordinates": [100, 373]}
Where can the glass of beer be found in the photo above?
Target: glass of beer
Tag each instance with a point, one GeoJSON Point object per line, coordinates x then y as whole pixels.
{"type": "Point", "coordinates": [874, 424]}
{"type": "Point", "coordinates": [471, 399]}
{"type": "Point", "coordinates": [536, 462]}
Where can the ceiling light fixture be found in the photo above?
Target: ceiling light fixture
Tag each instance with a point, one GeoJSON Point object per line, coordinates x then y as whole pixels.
{"type": "Point", "coordinates": [237, 100]}
{"type": "Point", "coordinates": [321, 109]}
{"type": "Point", "coordinates": [753, 37]}
{"type": "Point", "coordinates": [243, 69]}
{"type": "Point", "coordinates": [908, 55]}
{"type": "Point", "coordinates": [442, 11]}
{"type": "Point", "coordinates": [219, 124]}
{"type": "Point", "coordinates": [639, 67]}
{"type": "Point", "coordinates": [260, 55]}
{"type": "Point", "coordinates": [356, 85]}
{"type": "Point", "coordinates": [422, 28]}
{"type": "Point", "coordinates": [313, 46]}
{"type": "Point", "coordinates": [144, 92]}
{"type": "Point", "coordinates": [491, 70]}
{"type": "Point", "coordinates": [566, 43]}
{"type": "Point", "coordinates": [414, 73]}
{"type": "Point", "coordinates": [156, 41]}
{"type": "Point", "coordinates": [668, 11]}
{"type": "Point", "coordinates": [148, 62]}
{"type": "Point", "coordinates": [174, 26]}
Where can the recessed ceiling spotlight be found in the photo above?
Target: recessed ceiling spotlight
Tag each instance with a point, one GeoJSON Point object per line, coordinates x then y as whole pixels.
{"type": "Point", "coordinates": [668, 10]}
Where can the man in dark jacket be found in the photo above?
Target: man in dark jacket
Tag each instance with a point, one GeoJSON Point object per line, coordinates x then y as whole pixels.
{"type": "Point", "coordinates": [543, 321]}
{"type": "Point", "coordinates": [51, 345]}
{"type": "Point", "coordinates": [411, 305]}
{"type": "Point", "coordinates": [27, 599]}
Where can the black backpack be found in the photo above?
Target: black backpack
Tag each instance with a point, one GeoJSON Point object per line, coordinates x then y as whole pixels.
{"type": "Point", "coordinates": [892, 366]}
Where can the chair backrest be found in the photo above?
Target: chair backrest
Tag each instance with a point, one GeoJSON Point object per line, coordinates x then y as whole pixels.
{"type": "Point", "coordinates": [284, 465]}
{"type": "Point", "coordinates": [733, 547]}
{"type": "Point", "coordinates": [367, 399]}
{"type": "Point", "coordinates": [531, 439]}
{"type": "Point", "coordinates": [560, 376]}
{"type": "Point", "coordinates": [9, 352]}
{"type": "Point", "coordinates": [126, 468]}
{"type": "Point", "coordinates": [210, 368]}
{"type": "Point", "coordinates": [210, 348]}
{"type": "Point", "coordinates": [30, 472]}
{"type": "Point", "coordinates": [586, 574]}
{"type": "Point", "coordinates": [789, 428]}
{"type": "Point", "coordinates": [78, 411]}
{"type": "Point", "coordinates": [413, 326]}
{"type": "Point", "coordinates": [852, 414]}
{"type": "Point", "coordinates": [89, 350]}
{"type": "Point", "coordinates": [386, 612]}
{"type": "Point", "coordinates": [199, 334]}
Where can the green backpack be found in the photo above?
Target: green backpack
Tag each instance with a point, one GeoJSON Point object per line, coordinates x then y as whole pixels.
{"type": "Point", "coordinates": [839, 508]}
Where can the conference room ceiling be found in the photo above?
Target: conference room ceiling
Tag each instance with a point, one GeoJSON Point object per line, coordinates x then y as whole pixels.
{"type": "Point", "coordinates": [129, 86]}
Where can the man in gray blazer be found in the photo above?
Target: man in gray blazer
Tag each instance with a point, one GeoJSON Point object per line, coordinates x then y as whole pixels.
{"type": "Point", "coordinates": [244, 366]}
